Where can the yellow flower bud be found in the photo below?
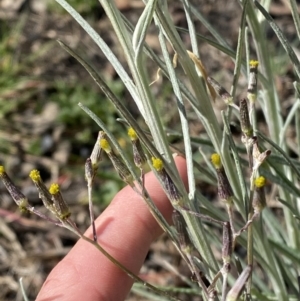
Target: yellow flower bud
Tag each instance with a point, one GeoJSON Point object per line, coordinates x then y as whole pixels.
{"type": "Point", "coordinates": [216, 160]}
{"type": "Point", "coordinates": [35, 175]}
{"type": "Point", "coordinates": [132, 134]}
{"type": "Point", "coordinates": [157, 163]}
{"type": "Point", "coordinates": [105, 145]}
{"type": "Point", "coordinates": [2, 170]}
{"type": "Point", "coordinates": [61, 207]}
{"type": "Point", "coordinates": [260, 182]}
{"type": "Point", "coordinates": [253, 63]}
{"type": "Point", "coordinates": [54, 188]}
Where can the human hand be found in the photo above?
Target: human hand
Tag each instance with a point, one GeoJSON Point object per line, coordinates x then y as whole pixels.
{"type": "Point", "coordinates": [125, 230]}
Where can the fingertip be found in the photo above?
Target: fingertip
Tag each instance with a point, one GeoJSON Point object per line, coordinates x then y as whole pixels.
{"type": "Point", "coordinates": [125, 229]}
{"type": "Point", "coordinates": [181, 167]}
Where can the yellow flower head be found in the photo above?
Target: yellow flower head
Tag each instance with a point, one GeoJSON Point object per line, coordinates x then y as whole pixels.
{"type": "Point", "coordinates": [260, 182]}
{"type": "Point", "coordinates": [254, 63]}
{"type": "Point", "coordinates": [35, 175]}
{"type": "Point", "coordinates": [54, 188]}
{"type": "Point", "coordinates": [132, 134]}
{"type": "Point", "coordinates": [105, 145]}
{"type": "Point", "coordinates": [157, 163]}
{"type": "Point", "coordinates": [2, 170]}
{"type": "Point", "coordinates": [216, 160]}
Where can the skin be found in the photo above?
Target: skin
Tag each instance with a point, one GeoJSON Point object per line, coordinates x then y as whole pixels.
{"type": "Point", "coordinates": [125, 229]}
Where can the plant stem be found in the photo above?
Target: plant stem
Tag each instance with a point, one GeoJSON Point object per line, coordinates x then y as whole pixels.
{"type": "Point", "coordinates": [128, 272]}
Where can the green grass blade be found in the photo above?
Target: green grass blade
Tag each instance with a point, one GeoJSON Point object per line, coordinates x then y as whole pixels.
{"type": "Point", "coordinates": [283, 40]}
{"type": "Point", "coordinates": [282, 152]}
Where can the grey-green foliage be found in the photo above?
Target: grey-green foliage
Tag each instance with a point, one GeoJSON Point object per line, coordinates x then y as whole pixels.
{"type": "Point", "coordinates": [275, 261]}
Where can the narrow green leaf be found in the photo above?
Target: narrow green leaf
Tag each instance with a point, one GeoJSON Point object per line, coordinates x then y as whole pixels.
{"type": "Point", "coordinates": [295, 13]}
{"type": "Point", "coordinates": [283, 40]}
{"type": "Point", "coordinates": [282, 152]}
{"type": "Point", "coordinates": [141, 28]}
{"type": "Point", "coordinates": [290, 253]}
{"type": "Point", "coordinates": [288, 120]}
{"type": "Point", "coordinates": [280, 179]}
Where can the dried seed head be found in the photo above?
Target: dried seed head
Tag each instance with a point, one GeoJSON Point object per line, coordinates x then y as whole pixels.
{"type": "Point", "coordinates": [139, 157]}
{"type": "Point", "coordinates": [14, 191]}
{"type": "Point", "coordinates": [89, 171]}
{"type": "Point", "coordinates": [224, 188]}
{"type": "Point", "coordinates": [235, 292]}
{"type": "Point", "coordinates": [118, 164]}
{"type": "Point", "coordinates": [252, 85]}
{"type": "Point", "coordinates": [258, 157]}
{"type": "Point", "coordinates": [121, 168]}
{"type": "Point", "coordinates": [180, 225]}
{"type": "Point", "coordinates": [96, 153]}
{"type": "Point", "coordinates": [44, 193]}
{"type": "Point", "coordinates": [201, 69]}
{"type": "Point", "coordinates": [62, 208]}
{"type": "Point", "coordinates": [225, 192]}
{"type": "Point", "coordinates": [259, 197]}
{"type": "Point", "coordinates": [171, 190]}
{"type": "Point", "coordinates": [227, 244]}
{"type": "Point", "coordinates": [244, 119]}
{"type": "Point", "coordinates": [227, 98]}
{"type": "Point", "coordinates": [175, 59]}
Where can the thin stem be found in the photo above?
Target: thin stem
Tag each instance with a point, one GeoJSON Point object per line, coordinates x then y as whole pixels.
{"type": "Point", "coordinates": [72, 226]}
{"type": "Point", "coordinates": [127, 271]}
{"type": "Point", "coordinates": [205, 217]}
{"type": "Point", "coordinates": [250, 234]}
{"type": "Point", "coordinates": [196, 272]}
{"type": "Point", "coordinates": [224, 286]}
{"type": "Point", "coordinates": [92, 215]}
{"type": "Point", "coordinates": [214, 281]}
{"type": "Point", "coordinates": [45, 217]}
{"type": "Point", "coordinates": [229, 207]}
{"type": "Point", "coordinates": [249, 254]}
{"type": "Point", "coordinates": [249, 222]}
{"type": "Point", "coordinates": [237, 164]}
{"type": "Point", "coordinates": [25, 297]}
